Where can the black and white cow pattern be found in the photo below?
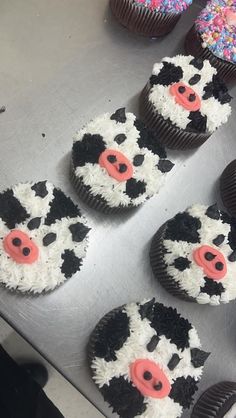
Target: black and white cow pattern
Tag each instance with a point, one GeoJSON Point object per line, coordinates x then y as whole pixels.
{"type": "Point", "coordinates": [189, 231]}
{"type": "Point", "coordinates": [121, 132]}
{"type": "Point", "coordinates": [51, 222]}
{"type": "Point", "coordinates": [202, 79]}
{"type": "Point", "coordinates": [146, 331]}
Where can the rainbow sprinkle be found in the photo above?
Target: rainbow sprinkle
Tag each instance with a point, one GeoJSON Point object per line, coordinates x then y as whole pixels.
{"type": "Point", "coordinates": [217, 27]}
{"type": "Point", "coordinates": [165, 6]}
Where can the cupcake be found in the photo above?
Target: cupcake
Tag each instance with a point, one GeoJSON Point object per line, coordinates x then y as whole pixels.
{"type": "Point", "coordinates": [194, 255]}
{"type": "Point", "coordinates": [184, 102]}
{"type": "Point", "coordinates": [213, 36]}
{"type": "Point", "coordinates": [146, 360]}
{"type": "Point", "coordinates": [219, 401]}
{"type": "Point", "coordinates": [43, 237]}
{"type": "Point", "coordinates": [149, 17]}
{"type": "Point", "coordinates": [116, 162]}
{"type": "Point", "coordinates": [228, 187]}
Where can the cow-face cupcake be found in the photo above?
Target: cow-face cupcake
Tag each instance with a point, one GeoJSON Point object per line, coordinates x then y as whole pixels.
{"type": "Point", "coordinates": [117, 164]}
{"type": "Point", "coordinates": [194, 255]}
{"type": "Point", "coordinates": [184, 102]}
{"type": "Point", "coordinates": [149, 17]}
{"type": "Point", "coordinates": [43, 237]}
{"type": "Point", "coordinates": [146, 360]}
{"type": "Point", "coordinates": [214, 37]}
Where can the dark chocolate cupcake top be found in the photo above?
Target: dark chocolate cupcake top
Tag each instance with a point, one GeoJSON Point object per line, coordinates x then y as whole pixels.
{"type": "Point", "coordinates": [187, 92]}
{"type": "Point", "coordinates": [200, 254]}
{"type": "Point", "coordinates": [146, 360]}
{"type": "Point", "coordinates": [119, 160]}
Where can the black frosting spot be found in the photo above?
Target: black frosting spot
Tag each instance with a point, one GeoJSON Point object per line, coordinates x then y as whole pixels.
{"type": "Point", "coordinates": [34, 223]}
{"type": "Point", "coordinates": [111, 336]}
{"type": "Point", "coordinates": [138, 160]}
{"type": "Point", "coordinates": [198, 122]}
{"type": "Point", "coordinates": [183, 227]}
{"type": "Point", "coordinates": [151, 346]}
{"type": "Point", "coordinates": [232, 233]}
{"type": "Point", "coordinates": [40, 189]}
{"type": "Point", "coordinates": [197, 63]}
{"type": "Point", "coordinates": [212, 287]}
{"type": "Point", "coordinates": [120, 138]}
{"type": "Point", "coordinates": [169, 74]}
{"type": "Point", "coordinates": [11, 210]}
{"type": "Point", "coordinates": [194, 80]}
{"type": "Point", "coordinates": [61, 207]}
{"type": "Point", "coordinates": [148, 140]}
{"type": "Point", "coordinates": [165, 166]}
{"type": "Point", "coordinates": [49, 239]}
{"type": "Point", "coordinates": [217, 89]}
{"type": "Point", "coordinates": [183, 390]}
{"type": "Point", "coordinates": [135, 188]}
{"type": "Point", "coordinates": [125, 399]}
{"type": "Point", "coordinates": [219, 240]}
{"type": "Point", "coordinates": [119, 115]}
{"type": "Point", "coordinates": [71, 264]}
{"type": "Point", "coordinates": [213, 212]}
{"type": "Point", "coordinates": [174, 361]}
{"type": "Point", "coordinates": [198, 357]}
{"type": "Point", "coordinates": [78, 231]}
{"type": "Point", "coordinates": [88, 150]}
{"type": "Point", "coordinates": [182, 263]}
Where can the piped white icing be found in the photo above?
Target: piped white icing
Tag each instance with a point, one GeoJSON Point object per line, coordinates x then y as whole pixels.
{"type": "Point", "coordinates": [231, 413]}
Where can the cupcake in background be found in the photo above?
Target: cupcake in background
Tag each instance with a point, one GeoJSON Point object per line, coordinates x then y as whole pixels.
{"type": "Point", "coordinates": [228, 187]}
{"type": "Point", "coordinates": [184, 101]}
{"type": "Point", "coordinates": [214, 37]}
{"type": "Point", "coordinates": [150, 18]}
{"type": "Point", "coordinates": [219, 401]}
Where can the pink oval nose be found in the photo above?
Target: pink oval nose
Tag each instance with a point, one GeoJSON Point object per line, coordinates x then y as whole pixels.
{"type": "Point", "coordinates": [117, 164]}
{"type": "Point", "coordinates": [149, 379]}
{"type": "Point", "coordinates": [20, 247]}
{"type": "Point", "coordinates": [185, 96]}
{"type": "Point", "coordinates": [212, 261]}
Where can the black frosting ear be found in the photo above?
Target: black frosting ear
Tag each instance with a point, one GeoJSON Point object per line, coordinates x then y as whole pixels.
{"type": "Point", "coordinates": [198, 122]}
{"type": "Point", "coordinates": [111, 336]}
{"type": "Point", "coordinates": [213, 212]}
{"type": "Point", "coordinates": [198, 357]}
{"type": "Point", "coordinates": [165, 166]}
{"type": "Point", "coordinates": [212, 287]}
{"type": "Point", "coordinates": [197, 63]}
{"type": "Point", "coordinates": [217, 89]}
{"type": "Point", "coordinates": [183, 390]}
{"type": "Point", "coordinates": [148, 140]}
{"type": "Point", "coordinates": [135, 188]}
{"type": "Point", "coordinates": [78, 231]}
{"type": "Point", "coordinates": [183, 227]}
{"type": "Point", "coordinates": [119, 115]}
{"type": "Point", "coordinates": [232, 234]}
{"type": "Point", "coordinates": [169, 74]}
{"type": "Point", "coordinates": [40, 189]}
{"type": "Point", "coordinates": [71, 264]}
{"type": "Point", "coordinates": [11, 210]}
{"type": "Point", "coordinates": [88, 150]}
{"type": "Point", "coordinates": [61, 207]}
{"type": "Point", "coordinates": [147, 309]}
{"type": "Point", "coordinates": [125, 399]}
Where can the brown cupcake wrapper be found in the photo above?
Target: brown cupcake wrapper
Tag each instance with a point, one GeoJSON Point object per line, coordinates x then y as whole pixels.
{"type": "Point", "coordinates": [193, 46]}
{"type": "Point", "coordinates": [216, 401]}
{"type": "Point", "coordinates": [228, 187]}
{"type": "Point", "coordinates": [169, 135]}
{"type": "Point", "coordinates": [93, 201]}
{"type": "Point", "coordinates": [142, 20]}
{"type": "Point", "coordinates": [159, 267]}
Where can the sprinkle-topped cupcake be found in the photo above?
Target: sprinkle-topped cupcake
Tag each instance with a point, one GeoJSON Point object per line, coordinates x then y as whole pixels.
{"type": "Point", "coordinates": [149, 17]}
{"type": "Point", "coordinates": [215, 36]}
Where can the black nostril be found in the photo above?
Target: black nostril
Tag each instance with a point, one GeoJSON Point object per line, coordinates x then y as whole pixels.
{"type": "Point", "coordinates": [16, 242]}
{"type": "Point", "coordinates": [181, 89]}
{"type": "Point", "coordinates": [111, 158]}
{"type": "Point", "coordinates": [219, 266]}
{"type": "Point", "coordinates": [209, 256]}
{"type": "Point", "coordinates": [122, 168]}
{"type": "Point", "coordinates": [192, 97]}
{"type": "Point", "coordinates": [158, 386]}
{"type": "Point", "coordinates": [26, 251]}
{"type": "Point", "coordinates": [147, 375]}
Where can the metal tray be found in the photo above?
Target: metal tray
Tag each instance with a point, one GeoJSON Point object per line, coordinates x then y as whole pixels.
{"type": "Point", "coordinates": [62, 63]}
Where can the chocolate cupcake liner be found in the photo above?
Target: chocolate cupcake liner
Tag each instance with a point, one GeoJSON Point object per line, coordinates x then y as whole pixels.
{"type": "Point", "coordinates": [168, 134]}
{"type": "Point", "coordinates": [142, 20]}
{"type": "Point", "coordinates": [95, 202]}
{"type": "Point", "coordinates": [193, 46]}
{"type": "Point", "coordinates": [228, 187]}
{"type": "Point", "coordinates": [216, 401]}
{"type": "Point", "coordinates": [157, 252]}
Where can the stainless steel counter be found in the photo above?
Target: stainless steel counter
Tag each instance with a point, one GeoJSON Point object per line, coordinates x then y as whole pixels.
{"type": "Point", "coordinates": [62, 63]}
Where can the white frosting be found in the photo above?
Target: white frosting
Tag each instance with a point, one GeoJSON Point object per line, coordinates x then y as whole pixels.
{"type": "Point", "coordinates": [97, 177]}
{"type": "Point", "coordinates": [45, 273]}
{"type": "Point", "coordinates": [165, 104]}
{"type": "Point", "coordinates": [231, 413]}
{"type": "Point", "coordinates": [134, 348]}
{"type": "Point", "coordinates": [192, 279]}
